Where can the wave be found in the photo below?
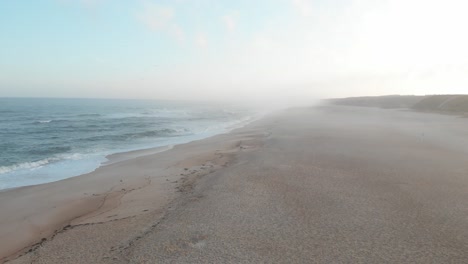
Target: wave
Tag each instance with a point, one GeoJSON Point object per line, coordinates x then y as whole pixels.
{"type": "Point", "coordinates": [27, 165]}
{"type": "Point", "coordinates": [50, 150]}
{"type": "Point", "coordinates": [6, 111]}
{"type": "Point", "coordinates": [32, 165]}
{"type": "Point", "coordinates": [156, 133]}
{"type": "Point", "coordinates": [167, 132]}
{"type": "Point", "coordinates": [47, 121]}
{"type": "Point", "coordinates": [122, 115]}
{"type": "Point", "coordinates": [89, 115]}
{"type": "Point", "coordinates": [167, 113]}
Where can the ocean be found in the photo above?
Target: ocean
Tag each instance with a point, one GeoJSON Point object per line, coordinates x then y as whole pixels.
{"type": "Point", "coordinates": [45, 140]}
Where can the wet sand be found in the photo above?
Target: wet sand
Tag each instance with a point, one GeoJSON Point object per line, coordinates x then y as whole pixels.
{"type": "Point", "coordinates": [318, 185]}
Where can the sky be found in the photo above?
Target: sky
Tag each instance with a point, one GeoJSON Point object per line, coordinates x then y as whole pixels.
{"type": "Point", "coordinates": [270, 50]}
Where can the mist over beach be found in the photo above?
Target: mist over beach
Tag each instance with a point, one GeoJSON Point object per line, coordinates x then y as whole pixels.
{"type": "Point", "coordinates": [267, 131]}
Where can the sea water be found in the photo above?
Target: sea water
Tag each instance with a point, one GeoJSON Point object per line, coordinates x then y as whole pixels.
{"type": "Point", "coordinates": [45, 140]}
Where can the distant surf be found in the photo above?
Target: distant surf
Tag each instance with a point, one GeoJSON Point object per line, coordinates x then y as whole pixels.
{"type": "Point", "coordinates": [44, 140]}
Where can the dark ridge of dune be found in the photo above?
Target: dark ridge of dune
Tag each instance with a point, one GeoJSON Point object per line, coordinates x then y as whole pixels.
{"type": "Point", "coordinates": [444, 103]}
{"type": "Point", "coordinates": [388, 101]}
{"type": "Point", "coordinates": [457, 104]}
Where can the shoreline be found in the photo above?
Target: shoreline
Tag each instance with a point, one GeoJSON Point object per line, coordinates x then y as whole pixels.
{"type": "Point", "coordinates": [122, 155]}
{"type": "Point", "coordinates": [98, 196]}
{"type": "Point", "coordinates": [133, 154]}
{"type": "Point", "coordinates": [136, 153]}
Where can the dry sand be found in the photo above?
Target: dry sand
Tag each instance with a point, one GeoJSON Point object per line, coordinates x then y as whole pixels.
{"type": "Point", "coordinates": [319, 185]}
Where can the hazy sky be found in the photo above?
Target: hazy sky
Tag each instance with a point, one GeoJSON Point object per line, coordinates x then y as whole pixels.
{"type": "Point", "coordinates": [243, 49]}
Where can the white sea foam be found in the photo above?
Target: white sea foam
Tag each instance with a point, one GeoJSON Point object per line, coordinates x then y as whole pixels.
{"type": "Point", "coordinates": [46, 121]}
{"type": "Point", "coordinates": [25, 165]}
{"type": "Point", "coordinates": [40, 163]}
{"type": "Point", "coordinates": [48, 170]}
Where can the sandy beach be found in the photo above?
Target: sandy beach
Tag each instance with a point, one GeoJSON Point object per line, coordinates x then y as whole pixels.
{"type": "Point", "coordinates": [329, 184]}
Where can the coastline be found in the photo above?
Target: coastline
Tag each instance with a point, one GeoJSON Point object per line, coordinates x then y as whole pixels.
{"type": "Point", "coordinates": [132, 154]}
{"type": "Point", "coordinates": [328, 184]}
{"type": "Point", "coordinates": [90, 162]}
{"type": "Point", "coordinates": [106, 194]}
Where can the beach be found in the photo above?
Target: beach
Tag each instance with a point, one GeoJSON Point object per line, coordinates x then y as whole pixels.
{"type": "Point", "coordinates": [327, 184]}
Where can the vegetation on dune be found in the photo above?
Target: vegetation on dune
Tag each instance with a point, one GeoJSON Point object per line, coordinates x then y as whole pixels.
{"type": "Point", "coordinates": [439, 103]}
{"type": "Point", "coordinates": [445, 103]}
{"type": "Point", "coordinates": [389, 101]}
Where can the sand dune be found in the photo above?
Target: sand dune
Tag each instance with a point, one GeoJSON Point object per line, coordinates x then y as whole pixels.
{"type": "Point", "coordinates": [455, 103]}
